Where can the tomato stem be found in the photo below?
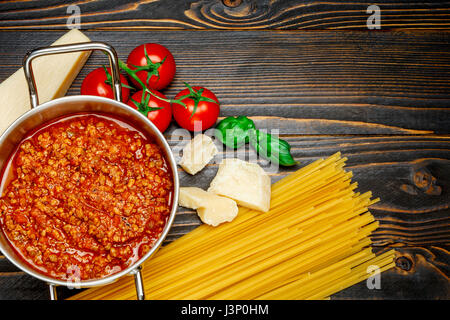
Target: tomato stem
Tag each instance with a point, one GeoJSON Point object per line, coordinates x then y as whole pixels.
{"type": "Point", "coordinates": [143, 106]}
{"type": "Point", "coordinates": [197, 97]}
{"type": "Point", "coordinates": [194, 95]}
{"type": "Point", "coordinates": [109, 79]}
{"type": "Point", "coordinates": [132, 73]}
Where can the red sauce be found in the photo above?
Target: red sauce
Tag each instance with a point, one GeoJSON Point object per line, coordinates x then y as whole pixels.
{"type": "Point", "coordinates": [85, 196]}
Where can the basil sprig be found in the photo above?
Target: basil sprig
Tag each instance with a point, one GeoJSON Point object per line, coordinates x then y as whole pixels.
{"type": "Point", "coordinates": [235, 132]}
{"type": "Point", "coordinates": [272, 148]}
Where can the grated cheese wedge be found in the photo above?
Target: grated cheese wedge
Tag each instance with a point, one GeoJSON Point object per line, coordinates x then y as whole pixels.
{"type": "Point", "coordinates": [198, 153]}
{"type": "Point", "coordinates": [212, 209]}
{"type": "Point", "coordinates": [246, 183]}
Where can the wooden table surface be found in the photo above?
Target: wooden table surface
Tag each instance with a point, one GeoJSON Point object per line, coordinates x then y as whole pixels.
{"type": "Point", "coordinates": [313, 71]}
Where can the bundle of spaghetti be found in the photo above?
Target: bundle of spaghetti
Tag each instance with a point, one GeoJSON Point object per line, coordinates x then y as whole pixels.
{"type": "Point", "coordinates": [313, 242]}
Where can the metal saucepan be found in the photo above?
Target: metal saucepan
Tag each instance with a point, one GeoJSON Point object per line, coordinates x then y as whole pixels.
{"type": "Point", "coordinates": [57, 108]}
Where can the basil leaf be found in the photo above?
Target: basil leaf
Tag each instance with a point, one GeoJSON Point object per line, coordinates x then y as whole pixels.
{"type": "Point", "coordinates": [272, 148]}
{"type": "Point", "coordinates": [234, 131]}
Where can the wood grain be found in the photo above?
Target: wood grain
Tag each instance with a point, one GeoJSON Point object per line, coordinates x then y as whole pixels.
{"type": "Point", "coordinates": [213, 14]}
{"type": "Point", "coordinates": [382, 164]}
{"type": "Point", "coordinates": [318, 81]}
{"type": "Point", "coordinates": [381, 98]}
{"type": "Point", "coordinates": [415, 223]}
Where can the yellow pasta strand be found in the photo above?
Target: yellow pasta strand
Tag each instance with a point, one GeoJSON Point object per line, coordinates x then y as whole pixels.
{"type": "Point", "coordinates": [313, 242]}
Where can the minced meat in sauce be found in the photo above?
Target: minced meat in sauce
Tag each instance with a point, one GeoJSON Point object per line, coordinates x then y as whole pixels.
{"type": "Point", "coordinates": [85, 197]}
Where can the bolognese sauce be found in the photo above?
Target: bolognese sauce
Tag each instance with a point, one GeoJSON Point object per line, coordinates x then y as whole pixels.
{"type": "Point", "coordinates": [85, 196]}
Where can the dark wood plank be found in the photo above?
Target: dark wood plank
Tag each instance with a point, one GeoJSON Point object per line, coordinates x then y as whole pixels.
{"type": "Point", "coordinates": [213, 14]}
{"type": "Point", "coordinates": [421, 269]}
{"type": "Point", "coordinates": [318, 82]}
{"type": "Point", "coordinates": [414, 219]}
{"type": "Point", "coordinates": [324, 92]}
{"type": "Point", "coordinates": [18, 285]}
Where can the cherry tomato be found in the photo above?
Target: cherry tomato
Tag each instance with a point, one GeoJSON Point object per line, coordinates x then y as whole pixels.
{"type": "Point", "coordinates": [157, 64]}
{"type": "Point", "coordinates": [202, 109]}
{"type": "Point", "coordinates": [98, 83]}
{"type": "Point", "coordinates": [156, 110]}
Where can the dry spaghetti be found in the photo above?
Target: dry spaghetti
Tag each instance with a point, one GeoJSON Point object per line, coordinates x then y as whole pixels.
{"type": "Point", "coordinates": [313, 242]}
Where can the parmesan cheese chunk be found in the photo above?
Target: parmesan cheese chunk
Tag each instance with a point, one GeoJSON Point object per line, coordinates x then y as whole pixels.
{"type": "Point", "coordinates": [53, 74]}
{"type": "Point", "coordinates": [212, 209]}
{"type": "Point", "coordinates": [197, 153]}
{"type": "Point", "coordinates": [246, 183]}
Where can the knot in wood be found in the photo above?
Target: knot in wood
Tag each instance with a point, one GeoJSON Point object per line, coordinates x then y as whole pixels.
{"type": "Point", "coordinates": [232, 3]}
{"type": "Point", "coordinates": [426, 182]}
{"type": "Point", "coordinates": [404, 263]}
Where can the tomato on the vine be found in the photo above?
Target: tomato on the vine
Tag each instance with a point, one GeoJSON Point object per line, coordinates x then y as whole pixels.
{"type": "Point", "coordinates": [202, 108]}
{"type": "Point", "coordinates": [156, 110]}
{"type": "Point", "coordinates": [99, 83]}
{"type": "Point", "coordinates": [154, 65]}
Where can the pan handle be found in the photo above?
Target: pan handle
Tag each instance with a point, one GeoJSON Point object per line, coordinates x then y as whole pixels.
{"type": "Point", "coordinates": [138, 283]}
{"type": "Point", "coordinates": [52, 291]}
{"type": "Point", "coordinates": [83, 46]}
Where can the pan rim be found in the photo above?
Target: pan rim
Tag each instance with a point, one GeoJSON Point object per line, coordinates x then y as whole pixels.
{"type": "Point", "coordinates": [172, 163]}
